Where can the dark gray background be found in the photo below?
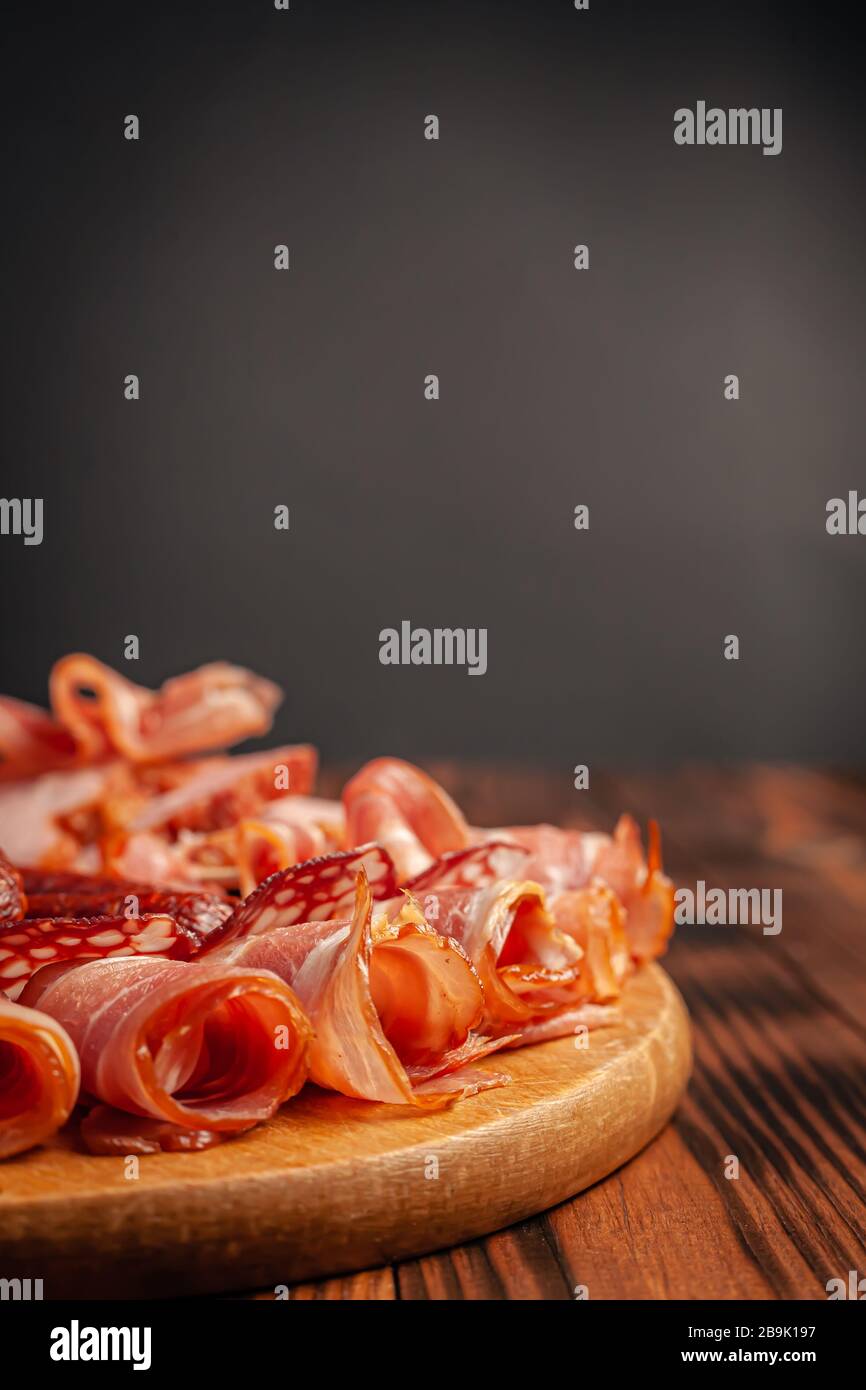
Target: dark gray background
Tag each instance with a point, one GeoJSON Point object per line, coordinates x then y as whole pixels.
{"type": "Point", "coordinates": [454, 257]}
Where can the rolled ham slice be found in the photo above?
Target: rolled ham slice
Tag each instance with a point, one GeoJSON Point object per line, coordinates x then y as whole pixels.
{"type": "Point", "coordinates": [394, 1007]}
{"type": "Point", "coordinates": [194, 1049]}
{"type": "Point", "coordinates": [39, 1077]}
{"type": "Point", "coordinates": [406, 812]}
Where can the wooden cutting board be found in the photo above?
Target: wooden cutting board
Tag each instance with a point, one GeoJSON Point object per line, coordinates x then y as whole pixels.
{"type": "Point", "coordinates": [333, 1184]}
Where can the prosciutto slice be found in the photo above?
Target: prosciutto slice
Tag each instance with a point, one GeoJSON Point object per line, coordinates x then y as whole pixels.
{"type": "Point", "coordinates": [406, 812]}
{"type": "Point", "coordinates": [195, 1049]}
{"type": "Point", "coordinates": [31, 741]}
{"type": "Point", "coordinates": [642, 886]}
{"type": "Point", "coordinates": [286, 832]}
{"type": "Point", "coordinates": [528, 966]}
{"type": "Point", "coordinates": [394, 1006]}
{"type": "Point", "coordinates": [223, 790]}
{"type": "Point", "coordinates": [32, 815]}
{"type": "Point", "coordinates": [595, 918]}
{"type": "Point", "coordinates": [105, 713]}
{"type": "Point", "coordinates": [565, 861]}
{"type": "Point", "coordinates": [39, 1077]}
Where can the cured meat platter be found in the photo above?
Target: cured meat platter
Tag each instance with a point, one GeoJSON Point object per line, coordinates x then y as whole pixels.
{"type": "Point", "coordinates": [332, 1184]}
{"type": "Point", "coordinates": [249, 1035]}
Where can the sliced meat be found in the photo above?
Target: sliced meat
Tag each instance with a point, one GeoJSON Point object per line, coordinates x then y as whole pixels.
{"type": "Point", "coordinates": [475, 867]}
{"type": "Point", "coordinates": [32, 815]}
{"type": "Point", "coordinates": [286, 832]}
{"type": "Point", "coordinates": [31, 741]}
{"type": "Point", "coordinates": [106, 713]}
{"type": "Point", "coordinates": [406, 812]}
{"type": "Point", "coordinates": [318, 891]}
{"type": "Point", "coordinates": [595, 918]}
{"type": "Point", "coordinates": [197, 913]}
{"type": "Point", "coordinates": [226, 789]}
{"type": "Point", "coordinates": [208, 1048]}
{"type": "Point", "coordinates": [564, 861]}
{"type": "Point", "coordinates": [13, 901]}
{"type": "Point", "coordinates": [528, 966]}
{"type": "Point", "coordinates": [394, 1007]}
{"type": "Point", "coordinates": [36, 943]}
{"type": "Point", "coordinates": [39, 1077]}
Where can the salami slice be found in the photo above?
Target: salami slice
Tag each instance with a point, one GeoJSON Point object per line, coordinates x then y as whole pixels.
{"type": "Point", "coordinates": [474, 867]}
{"type": "Point", "coordinates": [317, 891]}
{"type": "Point", "coordinates": [197, 914]}
{"type": "Point", "coordinates": [27, 946]}
{"type": "Point", "coordinates": [13, 901]}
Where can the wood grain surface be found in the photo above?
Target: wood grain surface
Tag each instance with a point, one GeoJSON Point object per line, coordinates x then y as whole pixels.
{"type": "Point", "coordinates": [780, 1058]}
{"type": "Point", "coordinates": [331, 1183]}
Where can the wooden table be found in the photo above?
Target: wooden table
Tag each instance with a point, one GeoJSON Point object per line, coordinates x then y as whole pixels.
{"type": "Point", "coordinates": [780, 1069]}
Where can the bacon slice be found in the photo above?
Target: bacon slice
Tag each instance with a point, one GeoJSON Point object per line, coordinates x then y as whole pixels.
{"type": "Point", "coordinates": [31, 945]}
{"type": "Point", "coordinates": [406, 812]}
{"type": "Point", "coordinates": [39, 1077]}
{"type": "Point", "coordinates": [212, 707]}
{"type": "Point", "coordinates": [204, 1048]}
{"type": "Point", "coordinates": [394, 1007]}
{"type": "Point", "coordinates": [320, 890]}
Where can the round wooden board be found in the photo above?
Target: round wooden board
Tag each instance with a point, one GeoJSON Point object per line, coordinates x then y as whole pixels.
{"type": "Point", "coordinates": [332, 1184]}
